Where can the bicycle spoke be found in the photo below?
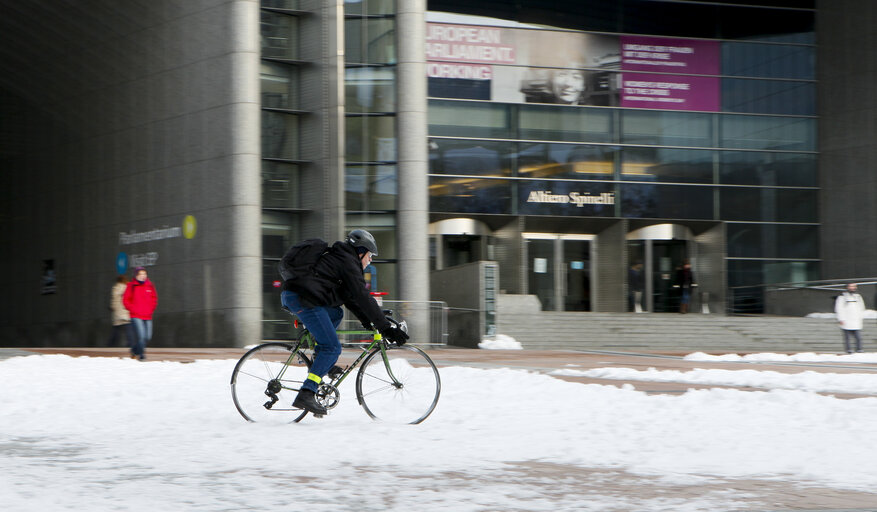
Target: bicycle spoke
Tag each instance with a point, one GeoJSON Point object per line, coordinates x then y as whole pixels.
{"type": "Point", "coordinates": [257, 389]}
{"type": "Point", "coordinates": [263, 379]}
{"type": "Point", "coordinates": [410, 397]}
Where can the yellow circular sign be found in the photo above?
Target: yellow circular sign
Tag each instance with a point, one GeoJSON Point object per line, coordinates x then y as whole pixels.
{"type": "Point", "coordinates": [190, 226]}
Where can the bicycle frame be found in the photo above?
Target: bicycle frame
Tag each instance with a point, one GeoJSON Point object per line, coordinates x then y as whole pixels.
{"type": "Point", "coordinates": [307, 339]}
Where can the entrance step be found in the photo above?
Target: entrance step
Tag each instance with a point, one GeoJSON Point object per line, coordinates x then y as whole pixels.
{"type": "Point", "coordinates": [673, 332]}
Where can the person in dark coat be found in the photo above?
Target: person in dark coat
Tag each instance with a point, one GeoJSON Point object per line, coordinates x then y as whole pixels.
{"type": "Point", "coordinates": [685, 282]}
{"type": "Point", "coordinates": [337, 279]}
{"type": "Point", "coordinates": [635, 285]}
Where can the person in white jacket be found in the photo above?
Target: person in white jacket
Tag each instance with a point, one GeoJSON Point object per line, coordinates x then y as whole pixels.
{"type": "Point", "coordinates": [850, 310]}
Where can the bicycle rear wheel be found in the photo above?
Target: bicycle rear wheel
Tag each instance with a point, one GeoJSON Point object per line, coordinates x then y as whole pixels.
{"type": "Point", "coordinates": [266, 380]}
{"type": "Point", "coordinates": [411, 397]}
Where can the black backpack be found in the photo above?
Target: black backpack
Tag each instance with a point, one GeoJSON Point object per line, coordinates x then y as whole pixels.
{"type": "Point", "coordinates": [301, 258]}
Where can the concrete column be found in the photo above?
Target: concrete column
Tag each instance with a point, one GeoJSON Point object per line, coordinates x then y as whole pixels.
{"type": "Point", "coordinates": [610, 264]}
{"type": "Point", "coordinates": [413, 200]}
{"type": "Point", "coordinates": [243, 174]}
{"type": "Point", "coordinates": [710, 270]}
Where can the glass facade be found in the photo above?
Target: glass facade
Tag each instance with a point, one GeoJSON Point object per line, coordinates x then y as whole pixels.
{"type": "Point", "coordinates": [581, 116]}
{"type": "Point", "coordinates": [728, 137]}
{"type": "Point", "coordinates": [281, 150]}
{"type": "Point", "coordinates": [370, 117]}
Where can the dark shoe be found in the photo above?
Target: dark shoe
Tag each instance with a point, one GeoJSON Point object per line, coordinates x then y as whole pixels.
{"type": "Point", "coordinates": [307, 401]}
{"type": "Point", "coordinates": [335, 372]}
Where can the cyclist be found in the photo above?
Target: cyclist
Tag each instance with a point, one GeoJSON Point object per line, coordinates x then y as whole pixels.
{"type": "Point", "coordinates": [316, 299]}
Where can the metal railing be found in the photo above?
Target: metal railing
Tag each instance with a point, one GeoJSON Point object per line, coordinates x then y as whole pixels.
{"type": "Point", "coordinates": [752, 299]}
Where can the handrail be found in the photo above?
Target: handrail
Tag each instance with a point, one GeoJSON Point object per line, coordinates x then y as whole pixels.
{"type": "Point", "coordinates": [749, 299]}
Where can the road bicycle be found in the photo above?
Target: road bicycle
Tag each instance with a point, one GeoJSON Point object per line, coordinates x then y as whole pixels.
{"type": "Point", "coordinates": [397, 384]}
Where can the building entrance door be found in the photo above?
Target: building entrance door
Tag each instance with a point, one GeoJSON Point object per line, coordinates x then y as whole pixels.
{"type": "Point", "coordinates": [559, 270]}
{"type": "Point", "coordinates": [667, 259]}
{"type": "Point", "coordinates": [660, 252]}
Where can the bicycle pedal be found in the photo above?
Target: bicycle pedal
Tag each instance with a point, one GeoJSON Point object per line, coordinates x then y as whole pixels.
{"type": "Point", "coordinates": [320, 416]}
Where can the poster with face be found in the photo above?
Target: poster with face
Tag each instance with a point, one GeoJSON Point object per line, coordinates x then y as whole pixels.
{"type": "Point", "coordinates": [528, 64]}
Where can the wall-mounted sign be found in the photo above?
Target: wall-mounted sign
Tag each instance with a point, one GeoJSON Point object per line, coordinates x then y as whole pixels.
{"type": "Point", "coordinates": [566, 198]}
{"type": "Point", "coordinates": [533, 65]}
{"type": "Point", "coordinates": [578, 199]}
{"type": "Point", "coordinates": [187, 229]}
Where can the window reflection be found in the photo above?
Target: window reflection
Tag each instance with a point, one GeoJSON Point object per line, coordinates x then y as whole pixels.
{"type": "Point", "coordinates": [370, 41]}
{"type": "Point", "coordinates": [666, 201]}
{"type": "Point", "coordinates": [370, 89]}
{"type": "Point", "coordinates": [370, 187]}
{"type": "Point", "coordinates": [768, 97]}
{"type": "Point", "coordinates": [566, 161]}
{"type": "Point", "coordinates": [476, 157]}
{"type": "Point", "coordinates": [281, 4]}
{"type": "Point", "coordinates": [769, 204]}
{"type": "Point", "coordinates": [468, 119]}
{"type": "Point", "coordinates": [768, 60]}
{"type": "Point", "coordinates": [278, 35]}
{"type": "Point", "coordinates": [666, 128]}
{"type": "Point", "coordinates": [369, 6]}
{"type": "Point", "coordinates": [371, 139]}
{"type": "Point", "coordinates": [469, 195]}
{"type": "Point", "coordinates": [766, 168]}
{"type": "Point", "coordinates": [667, 165]}
{"type": "Point", "coordinates": [280, 135]}
{"type": "Point", "coordinates": [772, 241]}
{"type": "Point", "coordinates": [751, 273]}
{"type": "Point", "coordinates": [580, 124]}
{"type": "Point", "coordinates": [279, 85]}
{"type": "Point", "coordinates": [280, 185]}
{"type": "Point", "coordinates": [279, 231]}
{"type": "Point", "coordinates": [766, 132]}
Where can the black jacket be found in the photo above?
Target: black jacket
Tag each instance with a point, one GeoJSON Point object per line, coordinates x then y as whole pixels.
{"type": "Point", "coordinates": [338, 279]}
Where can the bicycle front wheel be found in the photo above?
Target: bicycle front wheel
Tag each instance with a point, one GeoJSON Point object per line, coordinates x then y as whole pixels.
{"type": "Point", "coordinates": [266, 380]}
{"type": "Point", "coordinates": [404, 390]}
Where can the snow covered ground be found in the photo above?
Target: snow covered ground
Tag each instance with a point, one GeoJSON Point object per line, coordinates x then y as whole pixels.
{"type": "Point", "coordinates": [116, 434]}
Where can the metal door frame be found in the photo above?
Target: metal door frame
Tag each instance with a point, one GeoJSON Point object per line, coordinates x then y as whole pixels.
{"type": "Point", "coordinates": [560, 270]}
{"type": "Point", "coordinates": [648, 235]}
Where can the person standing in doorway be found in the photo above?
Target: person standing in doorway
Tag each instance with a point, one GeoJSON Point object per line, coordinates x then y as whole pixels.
{"type": "Point", "coordinates": [685, 282]}
{"type": "Point", "coordinates": [850, 310]}
{"type": "Point", "coordinates": [140, 300]}
{"type": "Point", "coordinates": [635, 283]}
{"type": "Point", "coordinates": [121, 318]}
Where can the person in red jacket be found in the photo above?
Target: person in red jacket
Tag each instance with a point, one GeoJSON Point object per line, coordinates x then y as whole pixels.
{"type": "Point", "coordinates": [140, 300]}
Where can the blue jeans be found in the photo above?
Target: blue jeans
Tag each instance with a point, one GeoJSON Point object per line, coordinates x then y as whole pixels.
{"type": "Point", "coordinates": [321, 322]}
{"type": "Point", "coordinates": [686, 296]}
{"type": "Point", "coordinates": [127, 330]}
{"type": "Point", "coordinates": [143, 330]}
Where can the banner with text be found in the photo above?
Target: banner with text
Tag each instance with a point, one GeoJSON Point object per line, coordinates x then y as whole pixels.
{"type": "Point", "coordinates": [524, 65]}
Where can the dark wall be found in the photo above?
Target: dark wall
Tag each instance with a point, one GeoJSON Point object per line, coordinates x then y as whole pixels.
{"type": "Point", "coordinates": [847, 98]}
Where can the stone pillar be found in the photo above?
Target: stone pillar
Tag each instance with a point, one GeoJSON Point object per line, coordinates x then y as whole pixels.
{"type": "Point", "coordinates": [710, 270]}
{"type": "Point", "coordinates": [413, 198]}
{"type": "Point", "coordinates": [610, 269]}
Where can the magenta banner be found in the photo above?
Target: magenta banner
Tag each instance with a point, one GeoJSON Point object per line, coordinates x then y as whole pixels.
{"type": "Point", "coordinates": [669, 55]}
{"type": "Point", "coordinates": [675, 90]}
{"type": "Point", "coordinates": [670, 92]}
{"type": "Point", "coordinates": [523, 65]}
